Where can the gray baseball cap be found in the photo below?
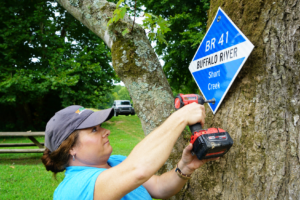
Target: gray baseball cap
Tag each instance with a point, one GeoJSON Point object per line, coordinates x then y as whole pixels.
{"type": "Point", "coordinates": [69, 119]}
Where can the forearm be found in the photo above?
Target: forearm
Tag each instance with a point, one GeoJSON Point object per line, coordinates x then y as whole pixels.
{"type": "Point", "coordinates": [166, 185]}
{"type": "Point", "coordinates": [152, 152]}
{"type": "Point", "coordinates": [170, 183]}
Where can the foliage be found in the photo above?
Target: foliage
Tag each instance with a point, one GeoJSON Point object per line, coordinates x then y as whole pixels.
{"type": "Point", "coordinates": [134, 7]}
{"type": "Point", "coordinates": [109, 100]}
{"type": "Point", "coordinates": [119, 13]}
{"type": "Point", "coordinates": [152, 23]}
{"type": "Point", "coordinates": [121, 93]}
{"type": "Point", "coordinates": [156, 24]}
{"type": "Point", "coordinates": [118, 93]}
{"type": "Point", "coordinates": [70, 65]}
{"type": "Point", "coordinates": [188, 24]}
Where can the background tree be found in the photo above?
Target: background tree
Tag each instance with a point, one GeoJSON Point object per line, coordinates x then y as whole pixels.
{"type": "Point", "coordinates": [187, 19]}
{"type": "Point", "coordinates": [122, 93]}
{"type": "Point", "coordinates": [109, 100]}
{"type": "Point", "coordinates": [71, 64]}
{"type": "Point", "coordinates": [117, 93]}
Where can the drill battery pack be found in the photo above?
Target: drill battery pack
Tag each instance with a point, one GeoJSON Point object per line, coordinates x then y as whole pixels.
{"type": "Point", "coordinates": [211, 143]}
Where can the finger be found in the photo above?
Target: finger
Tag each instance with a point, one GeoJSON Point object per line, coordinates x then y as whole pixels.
{"type": "Point", "coordinates": [202, 120]}
{"type": "Point", "coordinates": [202, 108]}
{"type": "Point", "coordinates": [188, 149]}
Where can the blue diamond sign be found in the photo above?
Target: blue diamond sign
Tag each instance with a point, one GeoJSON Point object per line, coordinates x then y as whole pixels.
{"type": "Point", "coordinates": [219, 58]}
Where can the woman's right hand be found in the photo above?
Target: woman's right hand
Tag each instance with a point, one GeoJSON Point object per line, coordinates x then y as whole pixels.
{"type": "Point", "coordinates": [193, 113]}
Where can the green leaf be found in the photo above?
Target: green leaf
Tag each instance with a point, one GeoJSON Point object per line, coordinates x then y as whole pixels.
{"type": "Point", "coordinates": [119, 3]}
{"type": "Point", "coordinates": [161, 39]}
{"type": "Point", "coordinates": [151, 36]}
{"type": "Point", "coordinates": [123, 12]}
{"type": "Point", "coordinates": [119, 13]}
{"type": "Point", "coordinates": [125, 31]}
{"type": "Point", "coordinates": [153, 22]}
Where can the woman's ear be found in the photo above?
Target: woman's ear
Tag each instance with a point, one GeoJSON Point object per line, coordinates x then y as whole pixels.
{"type": "Point", "coordinates": [73, 150]}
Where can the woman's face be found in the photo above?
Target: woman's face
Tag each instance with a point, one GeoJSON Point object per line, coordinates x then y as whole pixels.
{"type": "Point", "coordinates": [93, 147]}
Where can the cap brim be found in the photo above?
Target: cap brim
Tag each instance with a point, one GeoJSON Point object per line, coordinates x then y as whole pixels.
{"type": "Point", "coordinates": [97, 118]}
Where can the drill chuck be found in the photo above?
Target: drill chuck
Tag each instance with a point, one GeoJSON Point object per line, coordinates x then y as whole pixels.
{"type": "Point", "coordinates": [213, 101]}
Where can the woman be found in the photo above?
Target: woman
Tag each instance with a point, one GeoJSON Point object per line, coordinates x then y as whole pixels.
{"type": "Point", "coordinates": [76, 142]}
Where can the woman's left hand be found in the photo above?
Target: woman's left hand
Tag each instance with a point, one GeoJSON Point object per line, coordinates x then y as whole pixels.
{"type": "Point", "coordinates": [189, 163]}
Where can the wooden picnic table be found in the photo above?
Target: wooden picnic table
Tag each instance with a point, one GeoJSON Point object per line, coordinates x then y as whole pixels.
{"type": "Point", "coordinates": [29, 135]}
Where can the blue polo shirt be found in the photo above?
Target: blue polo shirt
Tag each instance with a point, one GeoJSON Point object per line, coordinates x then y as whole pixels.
{"type": "Point", "coordinates": [79, 183]}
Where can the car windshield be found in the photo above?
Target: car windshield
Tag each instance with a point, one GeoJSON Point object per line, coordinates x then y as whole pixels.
{"type": "Point", "coordinates": [125, 103]}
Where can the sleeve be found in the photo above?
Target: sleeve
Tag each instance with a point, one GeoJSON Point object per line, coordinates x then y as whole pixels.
{"type": "Point", "coordinates": [78, 187]}
{"type": "Point", "coordinates": [80, 184]}
{"type": "Point", "coordinates": [115, 160]}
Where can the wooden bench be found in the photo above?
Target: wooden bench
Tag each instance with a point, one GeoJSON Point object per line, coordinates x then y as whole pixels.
{"type": "Point", "coordinates": [29, 135]}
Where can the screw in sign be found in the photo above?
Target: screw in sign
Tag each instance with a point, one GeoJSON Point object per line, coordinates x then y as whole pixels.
{"type": "Point", "coordinates": [219, 58]}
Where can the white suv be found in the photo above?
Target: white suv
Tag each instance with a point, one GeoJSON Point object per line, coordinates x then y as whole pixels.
{"type": "Point", "coordinates": [123, 107]}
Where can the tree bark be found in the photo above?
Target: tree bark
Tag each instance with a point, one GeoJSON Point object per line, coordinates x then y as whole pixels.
{"type": "Point", "coordinates": [260, 111]}
{"type": "Point", "coordinates": [134, 60]}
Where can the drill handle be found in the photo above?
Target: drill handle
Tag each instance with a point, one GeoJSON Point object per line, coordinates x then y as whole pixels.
{"type": "Point", "coordinates": [195, 127]}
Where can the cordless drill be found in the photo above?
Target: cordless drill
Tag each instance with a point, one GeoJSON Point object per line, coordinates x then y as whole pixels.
{"type": "Point", "coordinates": [210, 143]}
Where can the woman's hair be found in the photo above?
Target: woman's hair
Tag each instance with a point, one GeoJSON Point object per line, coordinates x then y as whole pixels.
{"type": "Point", "coordinates": [58, 160]}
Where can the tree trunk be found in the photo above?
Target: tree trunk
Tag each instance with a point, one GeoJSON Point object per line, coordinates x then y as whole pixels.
{"type": "Point", "coordinates": [260, 111]}
{"type": "Point", "coordinates": [133, 58]}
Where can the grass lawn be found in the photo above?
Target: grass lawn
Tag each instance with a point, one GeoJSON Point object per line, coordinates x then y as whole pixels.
{"type": "Point", "coordinates": [23, 176]}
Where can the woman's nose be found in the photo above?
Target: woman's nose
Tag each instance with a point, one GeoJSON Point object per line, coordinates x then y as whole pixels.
{"type": "Point", "coordinates": [106, 133]}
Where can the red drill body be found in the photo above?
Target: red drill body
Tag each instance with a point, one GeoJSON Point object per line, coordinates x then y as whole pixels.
{"type": "Point", "coordinates": [210, 143]}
